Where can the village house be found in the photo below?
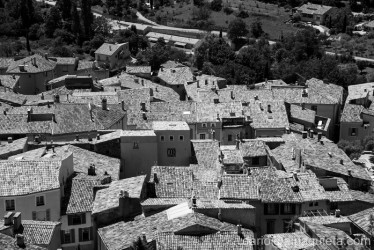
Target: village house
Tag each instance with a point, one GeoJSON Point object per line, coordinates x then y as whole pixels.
{"type": "Point", "coordinates": [112, 56]}
{"type": "Point", "coordinates": [176, 78]}
{"type": "Point", "coordinates": [315, 13]}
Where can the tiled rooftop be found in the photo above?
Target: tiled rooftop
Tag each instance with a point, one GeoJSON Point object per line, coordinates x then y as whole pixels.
{"type": "Point", "coordinates": [291, 241]}
{"type": "Point", "coordinates": [42, 64]}
{"type": "Point", "coordinates": [9, 243]}
{"type": "Point", "coordinates": [252, 148]}
{"type": "Point", "coordinates": [8, 81]}
{"type": "Point", "coordinates": [163, 201]}
{"type": "Point", "coordinates": [159, 125]}
{"type": "Point", "coordinates": [108, 198]}
{"type": "Point", "coordinates": [176, 76]}
{"type": "Point", "coordinates": [108, 49]}
{"type": "Point", "coordinates": [107, 118]}
{"type": "Point", "coordinates": [27, 177]}
{"type": "Point", "coordinates": [362, 219]}
{"type": "Point", "coordinates": [138, 133]}
{"type": "Point", "coordinates": [324, 220]}
{"type": "Point", "coordinates": [16, 147]}
{"type": "Point", "coordinates": [171, 64]}
{"type": "Point", "coordinates": [302, 114]}
{"type": "Point", "coordinates": [262, 117]}
{"type": "Point", "coordinates": [39, 232]}
{"type": "Point", "coordinates": [138, 69]}
{"type": "Point", "coordinates": [94, 97]}
{"type": "Point", "coordinates": [177, 219]}
{"type": "Point", "coordinates": [351, 113]}
{"type": "Point", "coordinates": [314, 9]}
{"type": "Point", "coordinates": [5, 62]}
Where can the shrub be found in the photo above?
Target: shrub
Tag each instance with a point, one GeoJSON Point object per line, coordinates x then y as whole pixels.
{"type": "Point", "coordinates": [228, 10]}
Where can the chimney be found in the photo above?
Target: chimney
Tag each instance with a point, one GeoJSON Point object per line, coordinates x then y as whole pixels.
{"type": "Point", "coordinates": [305, 134]}
{"type": "Point", "coordinates": [110, 47]}
{"type": "Point", "coordinates": [303, 106]}
{"type": "Point", "coordinates": [10, 139]}
{"type": "Point", "coordinates": [42, 97]}
{"type": "Point", "coordinates": [34, 61]}
{"type": "Point", "coordinates": [57, 98]}
{"type": "Point", "coordinates": [46, 56]}
{"type": "Point", "coordinates": [14, 76]}
{"type": "Point", "coordinates": [144, 237]}
{"type": "Point", "coordinates": [269, 108]}
{"type": "Point", "coordinates": [237, 142]}
{"type": "Point", "coordinates": [217, 116]}
{"type": "Point", "coordinates": [311, 135]}
{"type": "Point", "coordinates": [98, 137]}
{"type": "Point", "coordinates": [337, 213]}
{"type": "Point", "coordinates": [4, 112]}
{"type": "Point", "coordinates": [124, 203]}
{"type": "Point", "coordinates": [193, 200]}
{"type": "Point", "coordinates": [20, 240]}
{"type": "Point", "coordinates": [219, 183]}
{"type": "Point", "coordinates": [232, 94]}
{"type": "Point", "coordinates": [104, 104]}
{"type": "Point", "coordinates": [319, 136]}
{"type": "Point", "coordinates": [197, 84]}
{"type": "Point", "coordinates": [142, 80]}
{"type": "Point", "coordinates": [239, 227]}
{"type": "Point", "coordinates": [341, 161]}
{"type": "Point", "coordinates": [260, 104]}
{"type": "Point", "coordinates": [29, 115]}
{"type": "Point", "coordinates": [91, 170]}
{"type": "Point", "coordinates": [220, 214]}
{"type": "Point", "coordinates": [349, 172]}
{"type": "Point", "coordinates": [8, 218]}
{"type": "Point", "coordinates": [256, 97]}
{"type": "Point", "coordinates": [77, 137]}
{"type": "Point", "coordinates": [206, 81]}
{"type": "Point", "coordinates": [144, 116]}
{"type": "Point", "coordinates": [123, 105]}
{"type": "Point", "coordinates": [143, 106]}
{"type": "Point", "coordinates": [17, 221]}
{"type": "Point", "coordinates": [288, 130]}
{"type": "Point", "coordinates": [21, 68]}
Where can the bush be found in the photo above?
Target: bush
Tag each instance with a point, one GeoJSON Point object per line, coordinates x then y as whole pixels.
{"type": "Point", "coordinates": [228, 10]}
{"type": "Point", "coordinates": [242, 14]}
{"type": "Point", "coordinates": [216, 5]}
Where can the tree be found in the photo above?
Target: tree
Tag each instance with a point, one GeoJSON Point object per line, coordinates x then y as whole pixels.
{"type": "Point", "coordinates": [65, 7]}
{"type": "Point", "coordinates": [76, 27]}
{"type": "Point", "coordinates": [53, 21]}
{"type": "Point", "coordinates": [361, 65]}
{"type": "Point", "coordinates": [101, 26]}
{"type": "Point", "coordinates": [216, 5]}
{"type": "Point", "coordinates": [237, 29]}
{"type": "Point", "coordinates": [87, 17]}
{"type": "Point", "coordinates": [27, 18]}
{"type": "Point", "coordinates": [256, 28]}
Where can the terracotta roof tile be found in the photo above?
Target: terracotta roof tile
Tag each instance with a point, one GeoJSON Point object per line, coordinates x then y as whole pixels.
{"type": "Point", "coordinates": [9, 243]}
{"type": "Point", "coordinates": [41, 65]}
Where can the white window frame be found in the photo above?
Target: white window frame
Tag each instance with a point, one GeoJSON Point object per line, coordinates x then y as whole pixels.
{"type": "Point", "coordinates": [15, 205]}
{"type": "Point", "coordinates": [36, 200]}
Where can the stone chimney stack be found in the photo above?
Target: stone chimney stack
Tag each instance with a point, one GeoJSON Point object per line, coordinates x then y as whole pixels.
{"type": "Point", "coordinates": [104, 105]}
{"type": "Point", "coordinates": [239, 227]}
{"type": "Point", "coordinates": [17, 221]}
{"type": "Point", "coordinates": [20, 240]}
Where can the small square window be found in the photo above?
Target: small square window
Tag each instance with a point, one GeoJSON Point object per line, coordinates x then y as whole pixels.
{"type": "Point", "coordinates": [162, 138]}
{"type": "Point", "coordinates": [202, 136]}
{"type": "Point", "coordinates": [181, 138]}
{"type": "Point", "coordinates": [40, 201]}
{"type": "Point", "coordinates": [316, 204]}
{"type": "Point", "coordinates": [171, 138]}
{"type": "Point", "coordinates": [310, 204]}
{"type": "Point", "coordinates": [353, 132]}
{"type": "Point", "coordinates": [204, 125]}
{"type": "Point", "coordinates": [10, 205]}
{"type": "Point", "coordinates": [213, 125]}
{"type": "Point", "coordinates": [256, 161]}
{"type": "Point", "coordinates": [229, 137]}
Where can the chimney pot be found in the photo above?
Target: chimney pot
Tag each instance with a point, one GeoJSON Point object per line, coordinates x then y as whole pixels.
{"type": "Point", "coordinates": [269, 108]}
{"type": "Point", "coordinates": [104, 105]}
{"type": "Point", "coordinates": [57, 98]}
{"type": "Point", "coordinates": [305, 134]}
{"type": "Point", "coordinates": [10, 139]}
{"type": "Point", "coordinates": [14, 76]}
{"type": "Point", "coordinates": [8, 219]}
{"type": "Point", "coordinates": [4, 112]}
{"type": "Point", "coordinates": [319, 136]}
{"type": "Point", "coordinates": [77, 137]}
{"type": "Point", "coordinates": [337, 213]}
{"type": "Point", "coordinates": [349, 172]}
{"type": "Point", "coordinates": [98, 137]}
{"type": "Point", "coordinates": [311, 135]}
{"type": "Point", "coordinates": [232, 94]}
{"type": "Point", "coordinates": [193, 201]}
{"type": "Point", "coordinates": [20, 240]}
{"type": "Point", "coordinates": [92, 170]}
{"type": "Point", "coordinates": [342, 161]}
{"type": "Point", "coordinates": [17, 221]}
{"type": "Point", "coordinates": [239, 227]}
{"type": "Point", "coordinates": [288, 130]}
{"type": "Point", "coordinates": [144, 237]}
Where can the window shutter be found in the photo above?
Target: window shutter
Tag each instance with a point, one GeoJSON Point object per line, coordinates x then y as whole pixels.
{"type": "Point", "coordinates": [293, 208]}
{"type": "Point", "coordinates": [48, 214]}
{"type": "Point", "coordinates": [80, 234]}
{"type": "Point", "coordinates": [91, 233]}
{"type": "Point", "coordinates": [72, 235]}
{"type": "Point", "coordinates": [62, 233]}
{"type": "Point", "coordinates": [34, 215]}
{"type": "Point", "coordinates": [276, 208]}
{"type": "Point", "coordinates": [282, 208]}
{"type": "Point", "coordinates": [83, 218]}
{"type": "Point", "coordinates": [70, 221]}
{"type": "Point", "coordinates": [266, 208]}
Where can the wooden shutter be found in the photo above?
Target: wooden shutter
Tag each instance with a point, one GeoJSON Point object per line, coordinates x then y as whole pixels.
{"type": "Point", "coordinates": [34, 215]}
{"type": "Point", "coordinates": [62, 234]}
{"type": "Point", "coordinates": [72, 235]}
{"type": "Point", "coordinates": [48, 214]}
{"type": "Point", "coordinates": [70, 220]}
{"type": "Point", "coordinates": [83, 216]}
{"type": "Point", "coordinates": [265, 208]}
{"type": "Point", "coordinates": [80, 234]}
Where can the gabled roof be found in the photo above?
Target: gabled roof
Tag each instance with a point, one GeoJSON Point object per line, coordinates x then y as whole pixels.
{"type": "Point", "coordinates": [9, 81]}
{"type": "Point", "coordinates": [5, 62]}
{"type": "Point", "coordinates": [9, 243]}
{"type": "Point", "coordinates": [179, 219]}
{"type": "Point", "coordinates": [27, 177]}
{"type": "Point", "coordinates": [138, 69]}
{"type": "Point", "coordinates": [108, 198]}
{"type": "Point", "coordinates": [352, 113]}
{"type": "Point", "coordinates": [15, 147]}
{"type": "Point", "coordinates": [363, 219]}
{"type": "Point", "coordinates": [303, 114]}
{"type": "Point", "coordinates": [290, 241]}
{"type": "Point", "coordinates": [108, 49]}
{"type": "Point", "coordinates": [176, 76]}
{"type": "Point", "coordinates": [109, 117]}
{"type": "Point", "coordinates": [316, 9]}
{"type": "Point", "coordinates": [39, 232]}
{"type": "Point", "coordinates": [176, 125]}
{"type": "Point", "coordinates": [32, 64]}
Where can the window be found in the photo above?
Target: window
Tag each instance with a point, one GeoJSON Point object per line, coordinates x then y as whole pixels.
{"type": "Point", "coordinates": [256, 161]}
{"type": "Point", "coordinates": [204, 125]}
{"type": "Point", "coordinates": [271, 208]}
{"type": "Point", "coordinates": [270, 226]}
{"type": "Point", "coordinates": [353, 131]}
{"type": "Point", "coordinates": [287, 209]}
{"type": "Point", "coordinates": [67, 236]}
{"type": "Point", "coordinates": [85, 234]}
{"type": "Point", "coordinates": [162, 138]}
{"type": "Point", "coordinates": [76, 219]}
{"type": "Point", "coordinates": [40, 201]}
{"type": "Point", "coordinates": [310, 204]}
{"type": "Point", "coordinates": [10, 205]}
{"type": "Point", "coordinates": [333, 206]}
{"type": "Point", "coordinates": [229, 137]}
{"type": "Point", "coordinates": [316, 204]}
{"type": "Point", "coordinates": [213, 125]}
{"type": "Point", "coordinates": [181, 138]}
{"type": "Point", "coordinates": [29, 76]}
{"type": "Point", "coordinates": [171, 152]}
{"type": "Point", "coordinates": [202, 136]}
{"type": "Point", "coordinates": [314, 107]}
{"type": "Point", "coordinates": [42, 215]}
{"type": "Point", "coordinates": [136, 145]}
{"type": "Point", "coordinates": [171, 138]}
